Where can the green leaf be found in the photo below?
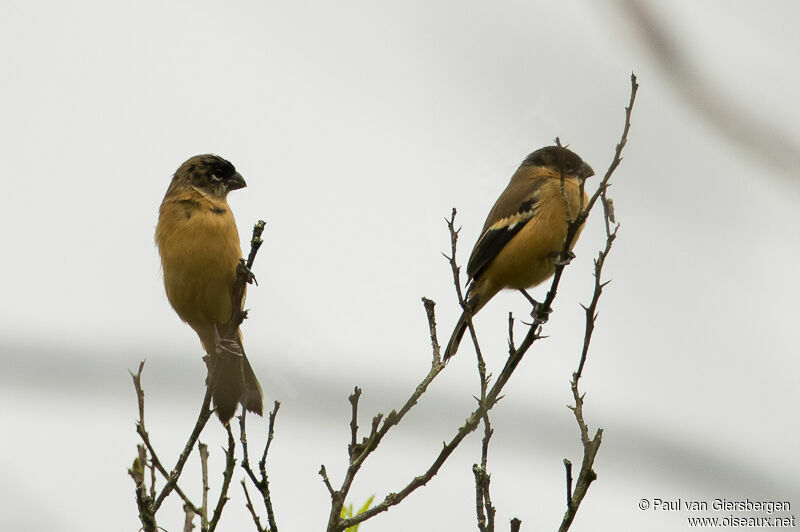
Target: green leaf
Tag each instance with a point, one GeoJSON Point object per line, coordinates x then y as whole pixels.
{"type": "Point", "coordinates": [347, 512]}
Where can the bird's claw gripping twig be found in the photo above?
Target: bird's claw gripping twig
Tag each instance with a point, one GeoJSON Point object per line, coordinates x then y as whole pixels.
{"type": "Point", "coordinates": [563, 260]}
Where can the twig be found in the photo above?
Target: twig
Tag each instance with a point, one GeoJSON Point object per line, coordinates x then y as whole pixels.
{"type": "Point", "coordinates": [152, 468]}
{"type": "Point", "coordinates": [572, 230]}
{"type": "Point", "coordinates": [494, 394]}
{"type": "Point", "coordinates": [249, 506]}
{"type": "Point", "coordinates": [155, 462]}
{"type": "Point", "coordinates": [590, 445]}
{"type": "Point", "coordinates": [159, 466]}
{"type": "Point", "coordinates": [587, 474]}
{"type": "Point", "coordinates": [568, 470]}
{"type": "Point", "coordinates": [238, 316]}
{"type": "Point", "coordinates": [229, 349]}
{"type": "Point", "coordinates": [484, 509]}
{"type": "Point", "coordinates": [143, 501]}
{"type": "Point", "coordinates": [353, 398]}
{"type": "Point", "coordinates": [515, 524]}
{"type": "Point", "coordinates": [203, 449]}
{"type": "Point", "coordinates": [262, 484]}
{"type": "Point", "coordinates": [378, 430]}
{"type": "Point", "coordinates": [172, 479]}
{"type": "Point", "coordinates": [150, 504]}
{"type": "Point", "coordinates": [137, 384]}
{"type": "Point", "coordinates": [325, 480]}
{"type": "Point", "coordinates": [255, 242]}
{"type": "Point", "coordinates": [230, 463]}
{"type": "Point", "coordinates": [335, 523]}
{"type": "Point", "coordinates": [188, 524]}
{"type": "Point", "coordinates": [263, 468]}
{"type": "Point", "coordinates": [456, 270]}
{"type": "Point", "coordinates": [244, 276]}
{"type": "Point", "coordinates": [511, 348]}
{"type": "Point", "coordinates": [470, 424]}
{"type": "Point", "coordinates": [430, 313]}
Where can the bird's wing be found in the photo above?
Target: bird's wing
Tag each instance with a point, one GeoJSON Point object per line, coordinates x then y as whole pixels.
{"type": "Point", "coordinates": [515, 207]}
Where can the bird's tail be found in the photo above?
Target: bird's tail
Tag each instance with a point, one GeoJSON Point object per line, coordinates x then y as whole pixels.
{"type": "Point", "coordinates": [455, 338]}
{"type": "Point", "coordinates": [235, 382]}
{"type": "Point", "coordinates": [478, 295]}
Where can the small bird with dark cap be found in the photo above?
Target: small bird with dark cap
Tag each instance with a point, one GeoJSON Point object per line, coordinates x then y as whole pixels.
{"type": "Point", "coordinates": [199, 247]}
{"type": "Point", "coordinates": [525, 231]}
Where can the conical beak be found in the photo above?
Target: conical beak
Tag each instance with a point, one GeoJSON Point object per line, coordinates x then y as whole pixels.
{"type": "Point", "coordinates": [586, 171]}
{"type": "Point", "coordinates": [236, 181]}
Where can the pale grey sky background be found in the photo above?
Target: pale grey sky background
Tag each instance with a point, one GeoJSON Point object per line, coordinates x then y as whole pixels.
{"type": "Point", "coordinates": [358, 126]}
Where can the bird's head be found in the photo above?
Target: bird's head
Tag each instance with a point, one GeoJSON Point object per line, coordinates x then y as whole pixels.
{"type": "Point", "coordinates": [559, 159]}
{"type": "Point", "coordinates": [210, 174]}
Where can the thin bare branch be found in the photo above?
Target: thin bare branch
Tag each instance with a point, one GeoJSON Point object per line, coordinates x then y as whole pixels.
{"type": "Point", "coordinates": [203, 449]}
{"type": "Point", "coordinates": [456, 270]}
{"type": "Point", "coordinates": [150, 504]}
{"type": "Point", "coordinates": [155, 462]}
{"type": "Point", "coordinates": [144, 502]}
{"type": "Point", "coordinates": [378, 430]}
{"type": "Point", "coordinates": [587, 474]}
{"type": "Point", "coordinates": [359, 452]}
{"type": "Point", "coordinates": [263, 468]}
{"type": "Point", "coordinates": [244, 276]}
{"type": "Point", "coordinates": [172, 479]}
{"type": "Point", "coordinates": [227, 475]}
{"type": "Point", "coordinates": [430, 306]}
{"type": "Point", "coordinates": [493, 395]}
{"type": "Point", "coordinates": [262, 483]}
{"type": "Point", "coordinates": [188, 522]}
{"type": "Point", "coordinates": [568, 471]}
{"type": "Point", "coordinates": [352, 448]}
{"type": "Point", "coordinates": [252, 510]}
{"type": "Point", "coordinates": [325, 480]}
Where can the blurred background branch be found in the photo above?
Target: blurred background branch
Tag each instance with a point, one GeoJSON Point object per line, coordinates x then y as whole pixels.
{"type": "Point", "coordinates": [710, 96]}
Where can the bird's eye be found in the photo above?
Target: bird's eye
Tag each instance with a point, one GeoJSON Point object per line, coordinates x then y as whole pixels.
{"type": "Point", "coordinates": [215, 178]}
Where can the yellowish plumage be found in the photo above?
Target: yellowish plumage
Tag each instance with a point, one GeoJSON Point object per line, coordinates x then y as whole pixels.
{"type": "Point", "coordinates": [525, 231]}
{"type": "Point", "coordinates": [529, 257]}
{"type": "Point", "coordinates": [199, 255]}
{"type": "Point", "coordinates": [199, 246]}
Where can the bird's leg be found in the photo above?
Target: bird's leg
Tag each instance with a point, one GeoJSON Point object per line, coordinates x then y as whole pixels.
{"type": "Point", "coordinates": [528, 297]}
{"type": "Point", "coordinates": [538, 313]}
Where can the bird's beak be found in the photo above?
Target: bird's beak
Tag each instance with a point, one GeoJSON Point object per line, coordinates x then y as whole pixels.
{"type": "Point", "coordinates": [236, 181]}
{"type": "Point", "coordinates": [586, 171]}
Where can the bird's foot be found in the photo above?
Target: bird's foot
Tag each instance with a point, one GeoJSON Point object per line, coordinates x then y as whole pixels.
{"type": "Point", "coordinates": [225, 347]}
{"type": "Point", "coordinates": [228, 348]}
{"type": "Point", "coordinates": [563, 260]}
{"type": "Point", "coordinates": [245, 272]}
{"type": "Point", "coordinates": [539, 313]}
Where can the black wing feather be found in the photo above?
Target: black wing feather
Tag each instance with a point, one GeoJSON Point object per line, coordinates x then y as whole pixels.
{"type": "Point", "coordinates": [493, 240]}
{"type": "Point", "coordinates": [508, 224]}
